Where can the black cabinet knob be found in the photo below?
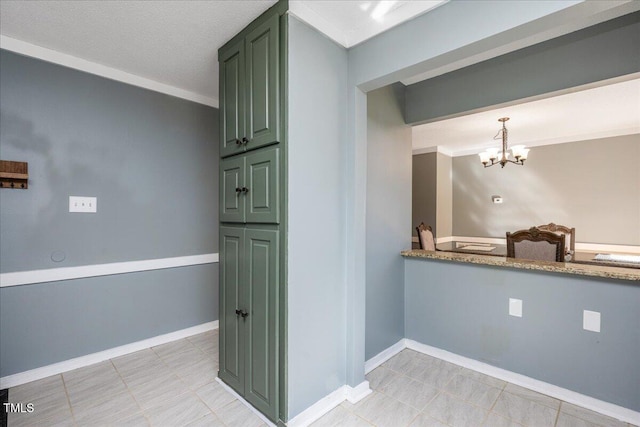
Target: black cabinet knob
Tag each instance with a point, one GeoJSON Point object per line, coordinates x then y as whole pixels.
{"type": "Point", "coordinates": [238, 142]}
{"type": "Point", "coordinates": [238, 189]}
{"type": "Point", "coordinates": [245, 190]}
{"type": "Point", "coordinates": [245, 140]}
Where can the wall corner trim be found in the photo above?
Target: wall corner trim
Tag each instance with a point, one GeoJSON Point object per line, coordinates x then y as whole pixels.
{"type": "Point", "coordinates": [90, 359]}
{"type": "Point", "coordinates": [602, 407]}
{"type": "Point", "coordinates": [330, 401]}
{"type": "Point", "coordinates": [66, 60]}
{"type": "Point", "coordinates": [66, 273]}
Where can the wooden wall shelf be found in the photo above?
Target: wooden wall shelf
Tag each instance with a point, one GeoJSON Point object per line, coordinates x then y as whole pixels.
{"type": "Point", "coordinates": [14, 175]}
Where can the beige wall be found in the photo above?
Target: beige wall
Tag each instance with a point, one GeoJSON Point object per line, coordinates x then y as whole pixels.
{"type": "Point", "coordinates": [444, 201]}
{"type": "Point", "coordinates": [592, 185]}
{"type": "Point", "coordinates": [424, 191]}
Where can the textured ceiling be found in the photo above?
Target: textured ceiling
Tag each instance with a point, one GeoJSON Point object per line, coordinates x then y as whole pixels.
{"type": "Point", "coordinates": [170, 42]}
{"type": "Point", "coordinates": [173, 43]}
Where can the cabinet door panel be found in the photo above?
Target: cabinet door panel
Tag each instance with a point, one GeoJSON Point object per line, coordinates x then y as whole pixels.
{"type": "Point", "coordinates": [232, 201]}
{"type": "Point", "coordinates": [232, 326]}
{"type": "Point", "coordinates": [262, 271]}
{"type": "Point", "coordinates": [263, 122]}
{"type": "Point", "coordinates": [232, 98]}
{"type": "Point", "coordinates": [262, 177]}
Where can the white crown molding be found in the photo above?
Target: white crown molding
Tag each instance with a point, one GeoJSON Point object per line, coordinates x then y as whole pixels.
{"type": "Point", "coordinates": [90, 359]}
{"type": "Point", "coordinates": [437, 149]}
{"type": "Point", "coordinates": [53, 56]}
{"type": "Point", "coordinates": [602, 407]}
{"type": "Point", "coordinates": [66, 273]}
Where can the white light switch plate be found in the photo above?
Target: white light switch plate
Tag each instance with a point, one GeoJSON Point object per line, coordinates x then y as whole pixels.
{"type": "Point", "coordinates": [515, 307]}
{"type": "Point", "coordinates": [83, 204]}
{"type": "Point", "coordinates": [591, 321]}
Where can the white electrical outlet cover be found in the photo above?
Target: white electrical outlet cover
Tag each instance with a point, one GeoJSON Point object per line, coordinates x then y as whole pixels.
{"type": "Point", "coordinates": [591, 321]}
{"type": "Point", "coordinates": [83, 204]}
{"type": "Point", "coordinates": [515, 307]}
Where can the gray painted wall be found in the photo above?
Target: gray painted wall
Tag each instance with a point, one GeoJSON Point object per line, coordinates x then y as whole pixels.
{"type": "Point", "coordinates": [463, 308]}
{"type": "Point", "coordinates": [151, 160]}
{"type": "Point", "coordinates": [600, 52]}
{"type": "Point", "coordinates": [424, 191]}
{"type": "Point", "coordinates": [316, 255]}
{"type": "Point", "coordinates": [51, 322]}
{"type": "Point", "coordinates": [388, 216]}
{"type": "Point", "coordinates": [569, 184]}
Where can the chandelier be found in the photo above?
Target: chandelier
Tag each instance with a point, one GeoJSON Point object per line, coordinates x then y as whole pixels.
{"type": "Point", "coordinates": [493, 156]}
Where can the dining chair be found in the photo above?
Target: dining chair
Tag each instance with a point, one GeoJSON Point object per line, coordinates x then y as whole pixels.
{"type": "Point", "coordinates": [569, 236]}
{"type": "Point", "coordinates": [536, 244]}
{"type": "Point", "coordinates": [425, 237]}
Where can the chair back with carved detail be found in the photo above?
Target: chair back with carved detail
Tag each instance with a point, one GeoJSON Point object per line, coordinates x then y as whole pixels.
{"type": "Point", "coordinates": [425, 237]}
{"type": "Point", "coordinates": [536, 244]}
{"type": "Point", "coordinates": [569, 236]}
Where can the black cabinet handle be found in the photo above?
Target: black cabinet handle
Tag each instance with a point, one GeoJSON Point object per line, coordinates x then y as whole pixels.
{"type": "Point", "coordinates": [238, 312]}
{"type": "Point", "coordinates": [238, 189]}
{"type": "Point", "coordinates": [245, 140]}
{"type": "Point", "coordinates": [245, 190]}
{"type": "Point", "coordinates": [239, 142]}
{"type": "Point", "coordinates": [244, 314]}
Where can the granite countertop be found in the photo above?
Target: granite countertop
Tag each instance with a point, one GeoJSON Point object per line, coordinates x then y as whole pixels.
{"type": "Point", "coordinates": [608, 272]}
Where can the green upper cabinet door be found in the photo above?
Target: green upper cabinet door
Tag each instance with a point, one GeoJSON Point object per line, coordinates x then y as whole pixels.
{"type": "Point", "coordinates": [232, 98]}
{"type": "Point", "coordinates": [261, 297]}
{"type": "Point", "coordinates": [263, 59]}
{"type": "Point", "coordinates": [249, 187]}
{"type": "Point", "coordinates": [262, 174]}
{"type": "Point", "coordinates": [250, 89]}
{"type": "Point", "coordinates": [232, 190]}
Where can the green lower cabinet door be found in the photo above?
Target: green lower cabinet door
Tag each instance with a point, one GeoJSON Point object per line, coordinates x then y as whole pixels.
{"type": "Point", "coordinates": [262, 276]}
{"type": "Point", "coordinates": [262, 196]}
{"type": "Point", "coordinates": [232, 324]}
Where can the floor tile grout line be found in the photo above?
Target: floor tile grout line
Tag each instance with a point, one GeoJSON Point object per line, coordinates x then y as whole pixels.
{"type": "Point", "coordinates": [66, 392]}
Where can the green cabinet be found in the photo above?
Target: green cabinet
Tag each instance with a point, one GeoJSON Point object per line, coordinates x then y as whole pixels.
{"type": "Point", "coordinates": [249, 187]}
{"type": "Point", "coordinates": [249, 266]}
{"type": "Point", "coordinates": [252, 200]}
{"type": "Point", "coordinates": [250, 89]}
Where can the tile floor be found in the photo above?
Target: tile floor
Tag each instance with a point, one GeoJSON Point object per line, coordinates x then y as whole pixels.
{"type": "Point", "coordinates": [174, 385]}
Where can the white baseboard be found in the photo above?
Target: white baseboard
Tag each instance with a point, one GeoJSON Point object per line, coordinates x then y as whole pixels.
{"type": "Point", "coordinates": [242, 400]}
{"type": "Point", "coordinates": [602, 407]}
{"type": "Point", "coordinates": [90, 359]}
{"type": "Point", "coordinates": [330, 401]}
{"type": "Point", "coordinates": [384, 355]}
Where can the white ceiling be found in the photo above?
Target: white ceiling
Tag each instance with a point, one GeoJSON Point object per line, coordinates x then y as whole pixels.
{"type": "Point", "coordinates": [604, 111]}
{"type": "Point", "coordinates": [352, 22]}
{"type": "Point", "coordinates": [168, 45]}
